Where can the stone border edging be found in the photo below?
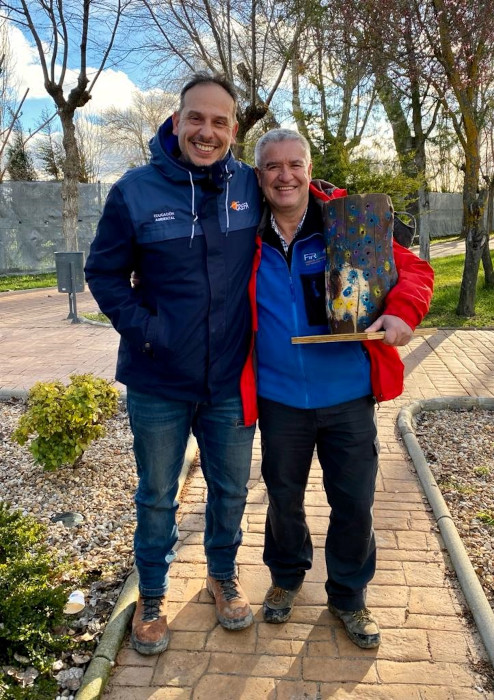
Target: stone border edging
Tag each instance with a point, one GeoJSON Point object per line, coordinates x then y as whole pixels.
{"type": "Point", "coordinates": [98, 671]}
{"type": "Point", "coordinates": [92, 322]}
{"type": "Point", "coordinates": [469, 582]}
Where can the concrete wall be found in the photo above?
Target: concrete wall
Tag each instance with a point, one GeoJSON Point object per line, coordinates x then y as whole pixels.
{"type": "Point", "coordinates": [31, 222]}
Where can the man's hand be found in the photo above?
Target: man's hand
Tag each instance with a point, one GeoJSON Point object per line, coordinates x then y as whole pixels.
{"type": "Point", "coordinates": [397, 331]}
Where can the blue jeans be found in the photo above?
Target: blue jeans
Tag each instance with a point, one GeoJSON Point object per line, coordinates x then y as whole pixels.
{"type": "Point", "coordinates": [346, 440]}
{"type": "Point", "coordinates": [161, 429]}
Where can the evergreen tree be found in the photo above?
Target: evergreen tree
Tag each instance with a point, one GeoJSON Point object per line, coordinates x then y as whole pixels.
{"type": "Point", "coordinates": [20, 163]}
{"type": "Point", "coordinates": [49, 149]}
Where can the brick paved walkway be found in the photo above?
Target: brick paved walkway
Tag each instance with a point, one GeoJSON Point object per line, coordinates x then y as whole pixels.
{"type": "Point", "coordinates": [427, 649]}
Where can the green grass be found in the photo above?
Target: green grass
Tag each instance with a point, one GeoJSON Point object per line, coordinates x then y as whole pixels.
{"type": "Point", "coordinates": [448, 273]}
{"type": "Point", "coordinates": [101, 318]}
{"type": "Point", "coordinates": [15, 282]}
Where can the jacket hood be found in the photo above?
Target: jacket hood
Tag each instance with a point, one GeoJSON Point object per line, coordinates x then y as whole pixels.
{"type": "Point", "coordinates": [165, 155]}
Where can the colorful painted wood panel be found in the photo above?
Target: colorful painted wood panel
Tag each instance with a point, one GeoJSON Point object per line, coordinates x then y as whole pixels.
{"type": "Point", "coordinates": [360, 268]}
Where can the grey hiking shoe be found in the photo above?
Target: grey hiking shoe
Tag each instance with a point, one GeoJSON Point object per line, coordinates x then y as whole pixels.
{"type": "Point", "coordinates": [278, 604]}
{"type": "Point", "coordinates": [360, 626]}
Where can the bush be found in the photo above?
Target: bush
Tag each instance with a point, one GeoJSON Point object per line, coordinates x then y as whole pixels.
{"type": "Point", "coordinates": [32, 599]}
{"type": "Point", "coordinates": [65, 419]}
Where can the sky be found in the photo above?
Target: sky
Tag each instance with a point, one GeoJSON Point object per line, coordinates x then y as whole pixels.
{"type": "Point", "coordinates": [114, 87]}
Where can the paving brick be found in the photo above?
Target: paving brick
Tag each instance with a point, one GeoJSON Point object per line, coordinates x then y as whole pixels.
{"type": "Point", "coordinates": [391, 577]}
{"type": "Point", "coordinates": [180, 668]}
{"type": "Point", "coordinates": [217, 687]}
{"type": "Point", "coordinates": [411, 540]}
{"type": "Point", "coordinates": [287, 630]}
{"type": "Point", "coordinates": [130, 657]}
{"type": "Point", "coordinates": [451, 622]}
{"type": "Point", "coordinates": [191, 616]}
{"type": "Point", "coordinates": [358, 670]}
{"type": "Point", "coordinates": [238, 642]}
{"type": "Point", "coordinates": [256, 664]}
{"type": "Point", "coordinates": [297, 690]}
{"type": "Point", "coordinates": [424, 574]}
{"type": "Point", "coordinates": [433, 601]}
{"type": "Point", "coordinates": [120, 693]}
{"type": "Point", "coordinates": [448, 646]}
{"type": "Point", "coordinates": [195, 641]}
{"type": "Point", "coordinates": [281, 647]}
{"type": "Point", "coordinates": [133, 676]}
{"type": "Point", "coordinates": [387, 596]}
{"type": "Point", "coordinates": [326, 649]}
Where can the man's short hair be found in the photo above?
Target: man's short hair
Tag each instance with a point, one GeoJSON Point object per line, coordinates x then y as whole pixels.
{"type": "Point", "coordinates": [278, 136]}
{"type": "Point", "coordinates": [202, 78]}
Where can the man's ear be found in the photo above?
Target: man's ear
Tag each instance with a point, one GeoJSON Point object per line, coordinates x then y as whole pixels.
{"type": "Point", "coordinates": [234, 133]}
{"type": "Point", "coordinates": [175, 120]}
{"type": "Point", "coordinates": [310, 169]}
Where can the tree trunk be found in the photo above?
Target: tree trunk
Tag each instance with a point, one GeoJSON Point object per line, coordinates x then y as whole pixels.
{"type": "Point", "coordinates": [473, 209]}
{"type": "Point", "coordinates": [424, 227]}
{"type": "Point", "coordinates": [70, 192]}
{"type": "Point", "coordinates": [486, 253]}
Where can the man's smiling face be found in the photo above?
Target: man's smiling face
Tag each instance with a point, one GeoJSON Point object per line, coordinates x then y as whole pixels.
{"type": "Point", "coordinates": [284, 177]}
{"type": "Point", "coordinates": [206, 124]}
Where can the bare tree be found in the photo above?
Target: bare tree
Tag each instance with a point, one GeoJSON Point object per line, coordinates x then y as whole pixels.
{"type": "Point", "coordinates": [132, 127]}
{"type": "Point", "coordinates": [91, 145]}
{"type": "Point", "coordinates": [460, 40]}
{"type": "Point", "coordinates": [252, 43]}
{"type": "Point", "coordinates": [332, 97]}
{"type": "Point", "coordinates": [61, 30]}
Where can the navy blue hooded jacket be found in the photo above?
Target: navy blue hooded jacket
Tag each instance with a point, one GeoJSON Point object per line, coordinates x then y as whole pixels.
{"type": "Point", "coordinates": [188, 232]}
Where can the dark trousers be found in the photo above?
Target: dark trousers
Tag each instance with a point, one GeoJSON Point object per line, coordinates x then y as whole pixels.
{"type": "Point", "coordinates": [346, 440]}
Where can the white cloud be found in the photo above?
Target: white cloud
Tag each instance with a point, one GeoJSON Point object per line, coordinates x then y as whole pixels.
{"type": "Point", "coordinates": [25, 63]}
{"type": "Point", "coordinates": [113, 87]}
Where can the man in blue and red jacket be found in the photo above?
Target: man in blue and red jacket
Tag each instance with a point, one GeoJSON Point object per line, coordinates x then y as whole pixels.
{"type": "Point", "coordinates": [320, 395]}
{"type": "Point", "coordinates": [185, 224]}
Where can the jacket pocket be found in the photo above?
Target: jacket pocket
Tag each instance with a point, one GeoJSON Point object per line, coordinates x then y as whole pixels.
{"type": "Point", "coordinates": [314, 290]}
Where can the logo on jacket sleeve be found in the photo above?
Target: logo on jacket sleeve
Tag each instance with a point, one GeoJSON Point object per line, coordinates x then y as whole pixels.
{"type": "Point", "coordinates": [239, 206]}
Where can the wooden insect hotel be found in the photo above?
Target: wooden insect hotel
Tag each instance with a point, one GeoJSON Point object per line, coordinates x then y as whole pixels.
{"type": "Point", "coordinates": [360, 268]}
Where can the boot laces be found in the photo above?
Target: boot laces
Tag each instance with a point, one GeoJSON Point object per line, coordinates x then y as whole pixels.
{"type": "Point", "coordinates": [277, 595]}
{"type": "Point", "coordinates": [363, 615]}
{"type": "Point", "coordinates": [151, 609]}
{"type": "Point", "coordinates": [229, 589]}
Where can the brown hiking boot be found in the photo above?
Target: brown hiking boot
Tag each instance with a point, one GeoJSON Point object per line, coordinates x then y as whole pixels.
{"type": "Point", "coordinates": [232, 607]}
{"type": "Point", "coordinates": [149, 627]}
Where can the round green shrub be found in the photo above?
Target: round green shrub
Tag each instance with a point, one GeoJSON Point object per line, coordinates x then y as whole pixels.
{"type": "Point", "coordinates": [65, 419]}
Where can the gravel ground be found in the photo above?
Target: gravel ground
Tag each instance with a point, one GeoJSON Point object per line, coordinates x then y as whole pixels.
{"type": "Point", "coordinates": [459, 447]}
{"type": "Point", "coordinates": [101, 490]}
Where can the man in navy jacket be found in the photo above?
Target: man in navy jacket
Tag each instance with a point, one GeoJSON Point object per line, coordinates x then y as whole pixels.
{"type": "Point", "coordinates": [185, 224]}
